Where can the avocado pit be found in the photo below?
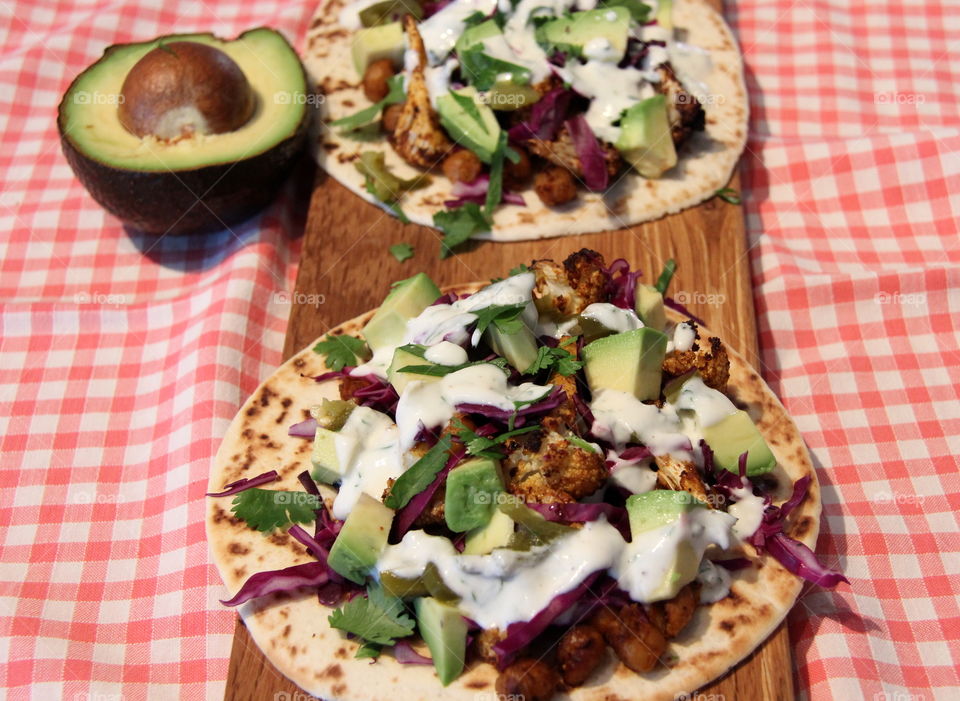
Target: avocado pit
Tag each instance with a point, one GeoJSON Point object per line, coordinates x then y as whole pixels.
{"type": "Point", "coordinates": [184, 88]}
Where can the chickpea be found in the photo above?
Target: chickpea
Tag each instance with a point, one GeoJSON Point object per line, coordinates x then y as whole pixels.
{"type": "Point", "coordinates": [555, 186]}
{"type": "Point", "coordinates": [462, 166]}
{"type": "Point", "coordinates": [391, 115]}
{"type": "Point", "coordinates": [375, 79]}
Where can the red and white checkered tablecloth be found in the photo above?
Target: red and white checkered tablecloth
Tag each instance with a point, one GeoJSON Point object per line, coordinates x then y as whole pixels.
{"type": "Point", "coordinates": [122, 359]}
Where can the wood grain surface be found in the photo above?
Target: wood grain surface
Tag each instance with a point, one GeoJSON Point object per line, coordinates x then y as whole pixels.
{"type": "Point", "coordinates": [344, 259]}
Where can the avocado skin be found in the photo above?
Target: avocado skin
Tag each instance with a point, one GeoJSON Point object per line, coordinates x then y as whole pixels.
{"type": "Point", "coordinates": [161, 203]}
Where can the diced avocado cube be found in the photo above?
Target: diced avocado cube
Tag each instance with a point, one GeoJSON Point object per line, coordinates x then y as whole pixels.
{"type": "Point", "coordinates": [361, 540]}
{"type": "Point", "coordinates": [404, 358]}
{"type": "Point", "coordinates": [374, 43]}
{"type": "Point", "coordinates": [645, 141]}
{"type": "Point", "coordinates": [476, 34]}
{"type": "Point", "coordinates": [471, 494]}
{"type": "Point", "coordinates": [333, 413]}
{"type": "Point", "coordinates": [584, 30]}
{"type": "Point", "coordinates": [406, 300]}
{"type": "Point", "coordinates": [735, 435]}
{"type": "Point", "coordinates": [333, 453]}
{"type": "Point", "coordinates": [444, 631]}
{"type": "Point", "coordinates": [496, 534]}
{"type": "Point", "coordinates": [665, 14]}
{"type": "Point", "coordinates": [630, 362]}
{"type": "Point", "coordinates": [469, 121]}
{"type": "Point", "coordinates": [656, 509]}
{"type": "Point", "coordinates": [518, 347]}
{"type": "Point", "coordinates": [649, 307]}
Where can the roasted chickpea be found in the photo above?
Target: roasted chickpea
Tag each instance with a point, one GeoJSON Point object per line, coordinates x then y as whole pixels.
{"type": "Point", "coordinates": [391, 115]}
{"type": "Point", "coordinates": [516, 175]}
{"type": "Point", "coordinates": [579, 652]}
{"type": "Point", "coordinates": [462, 166]}
{"type": "Point", "coordinates": [528, 679]}
{"type": "Point", "coordinates": [555, 186]}
{"type": "Point", "coordinates": [375, 79]}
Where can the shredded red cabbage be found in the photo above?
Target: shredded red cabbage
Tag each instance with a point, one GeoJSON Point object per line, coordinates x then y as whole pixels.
{"type": "Point", "coordinates": [556, 397]}
{"type": "Point", "coordinates": [405, 654]}
{"type": "Point", "coordinates": [592, 161]}
{"type": "Point", "coordinates": [476, 191]}
{"type": "Point", "coordinates": [304, 429]}
{"type": "Point", "coordinates": [375, 393]}
{"type": "Point", "coordinates": [734, 563]}
{"type": "Point", "coordinates": [676, 306]}
{"type": "Point", "coordinates": [432, 8]}
{"type": "Point", "coordinates": [448, 298]}
{"type": "Point", "coordinates": [309, 574]}
{"type": "Point", "coordinates": [409, 513]}
{"type": "Point", "coordinates": [521, 634]}
{"type": "Point", "coordinates": [801, 561]}
{"type": "Point", "coordinates": [622, 287]}
{"type": "Point", "coordinates": [579, 513]}
{"type": "Point", "coordinates": [546, 117]}
{"type": "Point", "coordinates": [583, 409]}
{"type": "Point", "coordinates": [246, 483]}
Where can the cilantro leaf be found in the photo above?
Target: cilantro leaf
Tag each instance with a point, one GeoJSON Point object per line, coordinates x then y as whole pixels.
{"type": "Point", "coordinates": [663, 282]}
{"type": "Point", "coordinates": [482, 70]}
{"type": "Point", "coordinates": [374, 618]}
{"type": "Point", "coordinates": [506, 317]}
{"type": "Point", "coordinates": [728, 195]}
{"type": "Point", "coordinates": [267, 509]}
{"type": "Point", "coordinates": [401, 251]}
{"type": "Point", "coordinates": [419, 476]}
{"type": "Point", "coordinates": [495, 185]}
{"type": "Point", "coordinates": [444, 370]}
{"type": "Point", "coordinates": [368, 114]}
{"type": "Point", "coordinates": [558, 359]}
{"type": "Point", "coordinates": [470, 107]}
{"type": "Point", "coordinates": [522, 268]}
{"type": "Point", "coordinates": [368, 651]}
{"type": "Point", "coordinates": [580, 443]}
{"type": "Point", "coordinates": [341, 350]}
{"type": "Point", "coordinates": [458, 225]}
{"type": "Point", "coordinates": [487, 446]}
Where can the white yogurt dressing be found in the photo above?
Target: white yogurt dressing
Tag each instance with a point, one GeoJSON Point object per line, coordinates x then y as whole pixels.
{"type": "Point", "coordinates": [437, 79]}
{"type": "Point", "coordinates": [611, 89]}
{"type": "Point", "coordinates": [710, 406]}
{"type": "Point", "coordinates": [520, 37]}
{"type": "Point", "coordinates": [621, 418]}
{"type": "Point", "coordinates": [441, 31]}
{"type": "Point", "coordinates": [693, 66]}
{"type": "Point", "coordinates": [612, 317]}
{"type": "Point", "coordinates": [446, 353]}
{"type": "Point", "coordinates": [714, 582]}
{"type": "Point", "coordinates": [508, 586]}
{"type": "Point", "coordinates": [748, 510]}
{"type": "Point", "coordinates": [635, 477]}
{"type": "Point", "coordinates": [684, 336]}
{"type": "Point", "coordinates": [378, 458]}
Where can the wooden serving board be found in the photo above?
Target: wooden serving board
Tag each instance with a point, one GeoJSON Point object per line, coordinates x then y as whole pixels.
{"type": "Point", "coordinates": [345, 264]}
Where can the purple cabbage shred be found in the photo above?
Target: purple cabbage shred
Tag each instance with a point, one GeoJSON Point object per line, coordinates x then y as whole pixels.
{"type": "Point", "coordinates": [246, 483]}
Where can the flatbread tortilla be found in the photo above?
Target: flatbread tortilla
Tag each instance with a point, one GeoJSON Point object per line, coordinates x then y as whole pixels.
{"type": "Point", "coordinates": [293, 631]}
{"type": "Point", "coordinates": [706, 161]}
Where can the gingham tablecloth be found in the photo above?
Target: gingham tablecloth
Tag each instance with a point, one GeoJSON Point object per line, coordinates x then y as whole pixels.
{"type": "Point", "coordinates": [123, 359]}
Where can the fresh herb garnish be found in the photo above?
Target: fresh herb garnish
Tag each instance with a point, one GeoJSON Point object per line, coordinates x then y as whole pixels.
{"type": "Point", "coordinates": [401, 251]}
{"type": "Point", "coordinates": [495, 185]}
{"type": "Point", "coordinates": [482, 70]}
{"type": "Point", "coordinates": [487, 446]}
{"type": "Point", "coordinates": [522, 268]}
{"type": "Point", "coordinates": [267, 509]}
{"type": "Point", "coordinates": [458, 225]}
{"type": "Point", "coordinates": [420, 474]}
{"type": "Point", "coordinates": [368, 114]}
{"type": "Point", "coordinates": [376, 619]}
{"type": "Point", "coordinates": [580, 443]}
{"type": "Point", "coordinates": [663, 282]}
{"type": "Point", "coordinates": [506, 317]}
{"type": "Point", "coordinates": [470, 107]}
{"type": "Point", "coordinates": [728, 195]}
{"type": "Point", "coordinates": [444, 370]}
{"type": "Point", "coordinates": [475, 19]}
{"type": "Point", "coordinates": [559, 359]}
{"type": "Point", "coordinates": [340, 350]}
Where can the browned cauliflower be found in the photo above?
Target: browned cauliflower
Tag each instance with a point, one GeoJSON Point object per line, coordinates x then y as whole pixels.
{"type": "Point", "coordinates": [709, 359]}
{"type": "Point", "coordinates": [565, 290]}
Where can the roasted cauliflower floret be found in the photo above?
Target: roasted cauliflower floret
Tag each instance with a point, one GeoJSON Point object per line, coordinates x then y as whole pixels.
{"type": "Point", "coordinates": [565, 290]}
{"type": "Point", "coordinates": [417, 136]}
{"type": "Point", "coordinates": [684, 110]}
{"type": "Point", "coordinates": [708, 358]}
{"type": "Point", "coordinates": [562, 152]}
{"type": "Point", "coordinates": [680, 476]}
{"type": "Point", "coordinates": [545, 467]}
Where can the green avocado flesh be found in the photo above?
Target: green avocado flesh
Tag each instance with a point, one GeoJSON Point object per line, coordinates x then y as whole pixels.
{"type": "Point", "coordinates": [154, 185]}
{"type": "Point", "coordinates": [629, 362]}
{"type": "Point", "coordinates": [361, 540]}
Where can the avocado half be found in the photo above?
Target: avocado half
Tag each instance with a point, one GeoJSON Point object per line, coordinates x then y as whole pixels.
{"type": "Point", "coordinates": [197, 184]}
